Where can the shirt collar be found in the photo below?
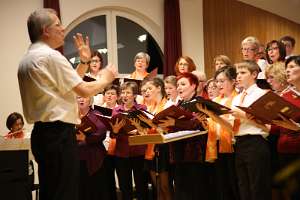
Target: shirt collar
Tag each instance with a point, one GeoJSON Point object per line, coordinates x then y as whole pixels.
{"type": "Point", "coordinates": [38, 45]}
{"type": "Point", "coordinates": [251, 89]}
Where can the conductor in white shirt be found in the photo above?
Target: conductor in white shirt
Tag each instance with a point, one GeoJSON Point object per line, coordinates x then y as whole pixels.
{"type": "Point", "coordinates": [49, 86]}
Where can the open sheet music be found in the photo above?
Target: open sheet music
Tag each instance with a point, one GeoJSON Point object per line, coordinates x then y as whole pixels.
{"type": "Point", "coordinates": [160, 138]}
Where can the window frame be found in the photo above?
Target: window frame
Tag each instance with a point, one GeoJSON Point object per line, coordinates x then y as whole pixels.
{"type": "Point", "coordinates": [111, 14]}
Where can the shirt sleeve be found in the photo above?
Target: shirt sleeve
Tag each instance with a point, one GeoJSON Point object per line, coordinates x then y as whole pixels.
{"type": "Point", "coordinates": [64, 74]}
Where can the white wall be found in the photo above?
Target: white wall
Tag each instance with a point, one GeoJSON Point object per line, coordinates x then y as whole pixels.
{"type": "Point", "coordinates": [14, 39]}
{"type": "Point", "coordinates": [192, 31]}
{"type": "Point", "coordinates": [71, 9]}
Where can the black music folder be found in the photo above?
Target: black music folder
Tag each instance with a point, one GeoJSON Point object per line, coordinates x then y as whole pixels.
{"type": "Point", "coordinates": [134, 115]}
{"type": "Point", "coordinates": [103, 110]}
{"type": "Point", "coordinates": [88, 79]}
{"type": "Point", "coordinates": [174, 112]}
{"type": "Point", "coordinates": [218, 109]}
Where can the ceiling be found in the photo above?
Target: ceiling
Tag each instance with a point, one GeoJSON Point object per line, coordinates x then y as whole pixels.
{"type": "Point", "coordinates": [289, 9]}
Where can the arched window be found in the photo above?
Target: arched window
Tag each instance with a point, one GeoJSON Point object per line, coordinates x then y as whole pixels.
{"type": "Point", "coordinates": [118, 34]}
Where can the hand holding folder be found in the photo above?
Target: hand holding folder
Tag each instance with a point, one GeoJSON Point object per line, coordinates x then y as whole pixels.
{"type": "Point", "coordinates": [86, 126]}
{"type": "Point", "coordinates": [287, 123]}
{"type": "Point", "coordinates": [143, 117]}
{"type": "Point", "coordinates": [117, 124]}
{"type": "Point", "coordinates": [226, 125]}
{"type": "Point", "coordinates": [105, 115]}
{"type": "Point", "coordinates": [270, 107]}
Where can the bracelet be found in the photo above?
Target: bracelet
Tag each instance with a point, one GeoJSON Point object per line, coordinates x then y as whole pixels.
{"type": "Point", "coordinates": [85, 63]}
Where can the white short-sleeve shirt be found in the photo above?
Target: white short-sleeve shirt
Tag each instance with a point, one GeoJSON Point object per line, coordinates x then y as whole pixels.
{"type": "Point", "coordinates": [46, 80]}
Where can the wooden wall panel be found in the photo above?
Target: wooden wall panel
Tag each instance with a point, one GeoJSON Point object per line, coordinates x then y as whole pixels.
{"type": "Point", "coordinates": [227, 22]}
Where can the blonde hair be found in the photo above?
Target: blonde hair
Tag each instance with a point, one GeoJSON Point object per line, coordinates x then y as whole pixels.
{"type": "Point", "coordinates": [277, 70]}
{"type": "Point", "coordinates": [171, 80]}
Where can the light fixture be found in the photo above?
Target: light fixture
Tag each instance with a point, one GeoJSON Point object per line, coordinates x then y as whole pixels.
{"type": "Point", "coordinates": [102, 51]}
{"type": "Point", "coordinates": [142, 38]}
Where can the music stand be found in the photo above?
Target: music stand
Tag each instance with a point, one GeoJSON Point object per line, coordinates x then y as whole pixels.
{"type": "Point", "coordinates": [161, 139]}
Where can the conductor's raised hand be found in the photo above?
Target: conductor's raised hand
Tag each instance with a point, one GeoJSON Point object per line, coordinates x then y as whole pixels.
{"type": "Point", "coordinates": [83, 47]}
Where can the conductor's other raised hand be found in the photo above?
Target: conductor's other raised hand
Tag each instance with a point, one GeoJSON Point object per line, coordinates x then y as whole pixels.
{"type": "Point", "coordinates": [112, 69]}
{"type": "Point", "coordinates": [83, 47]}
{"type": "Point", "coordinates": [109, 73]}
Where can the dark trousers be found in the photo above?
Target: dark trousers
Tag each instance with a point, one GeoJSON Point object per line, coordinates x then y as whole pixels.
{"type": "Point", "coordinates": [226, 179]}
{"type": "Point", "coordinates": [55, 150]}
{"type": "Point", "coordinates": [94, 186]}
{"type": "Point", "coordinates": [253, 167]}
{"type": "Point", "coordinates": [191, 181]}
{"type": "Point", "coordinates": [110, 174]}
{"type": "Point", "coordinates": [124, 168]}
{"type": "Point", "coordinates": [291, 179]}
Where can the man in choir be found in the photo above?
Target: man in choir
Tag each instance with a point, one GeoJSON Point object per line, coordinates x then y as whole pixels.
{"type": "Point", "coordinates": [252, 156]}
{"type": "Point", "coordinates": [49, 86]}
{"type": "Point", "coordinates": [289, 43]}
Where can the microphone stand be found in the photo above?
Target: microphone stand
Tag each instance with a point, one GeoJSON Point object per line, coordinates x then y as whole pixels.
{"type": "Point", "coordinates": [157, 180]}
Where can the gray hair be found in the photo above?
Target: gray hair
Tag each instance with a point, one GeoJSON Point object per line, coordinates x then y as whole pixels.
{"type": "Point", "coordinates": [253, 41]}
{"type": "Point", "coordinates": [141, 55]}
{"type": "Point", "coordinates": [37, 21]}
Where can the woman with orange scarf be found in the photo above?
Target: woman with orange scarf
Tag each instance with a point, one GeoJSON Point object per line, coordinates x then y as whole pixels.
{"type": "Point", "coordinates": [141, 63]}
{"type": "Point", "coordinates": [155, 96]}
{"type": "Point", "coordinates": [220, 136]}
